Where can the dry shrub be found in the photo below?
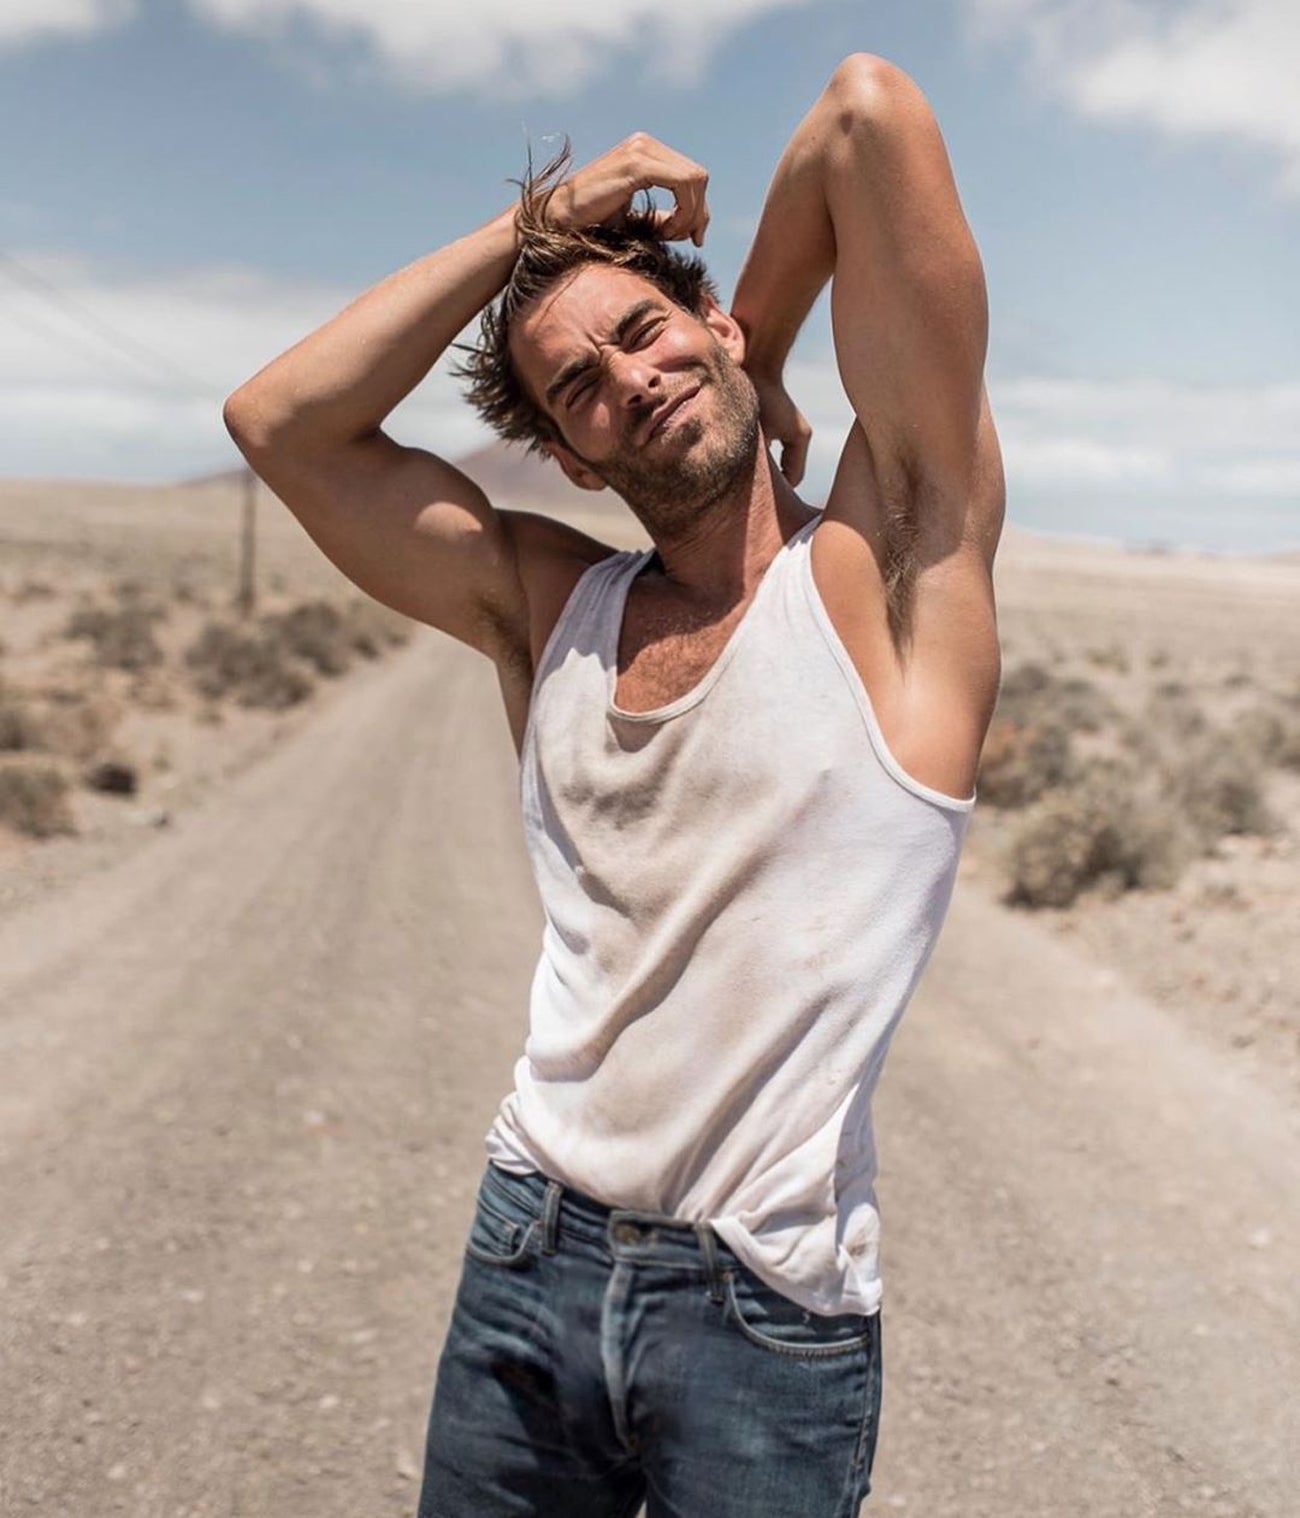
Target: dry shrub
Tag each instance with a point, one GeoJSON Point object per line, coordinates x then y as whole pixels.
{"type": "Point", "coordinates": [1019, 763]}
{"type": "Point", "coordinates": [122, 636]}
{"type": "Point", "coordinates": [314, 632]}
{"type": "Point", "coordinates": [34, 797]}
{"type": "Point", "coordinates": [1273, 735]}
{"type": "Point", "coordinates": [1287, 755]}
{"type": "Point", "coordinates": [372, 628]}
{"type": "Point", "coordinates": [1032, 695]}
{"type": "Point", "coordinates": [264, 665]}
{"type": "Point", "coordinates": [1216, 777]}
{"type": "Point", "coordinates": [129, 588]}
{"type": "Point", "coordinates": [252, 666]}
{"type": "Point", "coordinates": [76, 723]}
{"type": "Point", "coordinates": [19, 727]}
{"type": "Point", "coordinates": [326, 636]}
{"type": "Point", "coordinates": [1027, 751]}
{"type": "Point", "coordinates": [154, 691]}
{"type": "Point", "coordinates": [1172, 720]}
{"type": "Point", "coordinates": [34, 590]}
{"type": "Point", "coordinates": [1219, 783]}
{"type": "Point", "coordinates": [1113, 656]}
{"type": "Point", "coordinates": [188, 592]}
{"type": "Point", "coordinates": [1103, 832]}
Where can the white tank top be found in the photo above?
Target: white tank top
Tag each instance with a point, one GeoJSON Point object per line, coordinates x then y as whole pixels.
{"type": "Point", "coordinates": [741, 890]}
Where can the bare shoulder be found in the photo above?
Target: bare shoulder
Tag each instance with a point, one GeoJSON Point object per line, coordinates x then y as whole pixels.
{"type": "Point", "coordinates": [552, 556]}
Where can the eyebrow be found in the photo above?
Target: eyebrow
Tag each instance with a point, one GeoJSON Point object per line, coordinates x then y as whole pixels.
{"type": "Point", "coordinates": [578, 366]}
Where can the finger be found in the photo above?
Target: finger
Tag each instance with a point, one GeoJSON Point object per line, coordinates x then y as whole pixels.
{"type": "Point", "coordinates": [794, 456]}
{"type": "Point", "coordinates": [684, 215]}
{"type": "Point", "coordinates": [699, 212]}
{"type": "Point", "coordinates": [692, 212]}
{"type": "Point", "coordinates": [704, 216]}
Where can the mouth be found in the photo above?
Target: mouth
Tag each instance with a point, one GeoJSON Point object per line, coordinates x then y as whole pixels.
{"type": "Point", "coordinates": [666, 411]}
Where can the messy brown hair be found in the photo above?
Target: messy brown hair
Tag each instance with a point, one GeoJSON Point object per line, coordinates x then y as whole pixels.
{"type": "Point", "coordinates": [548, 253]}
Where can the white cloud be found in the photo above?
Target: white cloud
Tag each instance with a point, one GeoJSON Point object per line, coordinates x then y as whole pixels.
{"type": "Point", "coordinates": [1080, 461]}
{"type": "Point", "coordinates": [1062, 436]}
{"type": "Point", "coordinates": [1184, 422]}
{"type": "Point", "coordinates": [514, 47]}
{"type": "Point", "coordinates": [76, 406]}
{"type": "Point", "coordinates": [1141, 434]}
{"type": "Point", "coordinates": [1209, 68]}
{"type": "Point", "coordinates": [1262, 477]}
{"type": "Point", "coordinates": [27, 20]}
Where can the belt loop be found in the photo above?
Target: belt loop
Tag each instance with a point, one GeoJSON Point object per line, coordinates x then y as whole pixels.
{"type": "Point", "coordinates": [551, 1216]}
{"type": "Point", "coordinates": [708, 1247]}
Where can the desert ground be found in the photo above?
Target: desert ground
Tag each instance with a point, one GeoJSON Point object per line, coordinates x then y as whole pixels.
{"type": "Point", "coordinates": [265, 944]}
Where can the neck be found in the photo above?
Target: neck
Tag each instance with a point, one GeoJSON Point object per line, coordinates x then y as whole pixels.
{"type": "Point", "coordinates": [721, 554]}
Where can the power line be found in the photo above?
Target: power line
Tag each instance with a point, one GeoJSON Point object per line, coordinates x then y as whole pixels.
{"type": "Point", "coordinates": [21, 274]}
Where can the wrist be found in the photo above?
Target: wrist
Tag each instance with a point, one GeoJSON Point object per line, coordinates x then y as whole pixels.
{"type": "Point", "coordinates": [504, 229]}
{"type": "Point", "coordinates": [765, 353]}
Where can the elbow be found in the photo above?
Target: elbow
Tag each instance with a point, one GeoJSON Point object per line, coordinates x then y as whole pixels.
{"type": "Point", "coordinates": [247, 422]}
{"type": "Point", "coordinates": [237, 415]}
{"type": "Point", "coordinates": [864, 87]}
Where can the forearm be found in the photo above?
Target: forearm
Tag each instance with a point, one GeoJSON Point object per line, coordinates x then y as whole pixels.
{"type": "Point", "coordinates": [339, 383]}
{"type": "Point", "coordinates": [793, 252]}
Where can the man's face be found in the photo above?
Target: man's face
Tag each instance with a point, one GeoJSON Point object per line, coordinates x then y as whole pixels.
{"type": "Point", "coordinates": [649, 399]}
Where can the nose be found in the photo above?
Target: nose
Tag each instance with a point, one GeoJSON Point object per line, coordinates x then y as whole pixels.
{"type": "Point", "coordinates": [636, 382]}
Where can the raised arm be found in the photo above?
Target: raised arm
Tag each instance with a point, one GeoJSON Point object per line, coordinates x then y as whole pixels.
{"type": "Point", "coordinates": [864, 195]}
{"type": "Point", "coordinates": [405, 525]}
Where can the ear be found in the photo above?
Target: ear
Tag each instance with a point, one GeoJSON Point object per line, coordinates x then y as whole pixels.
{"type": "Point", "coordinates": [725, 328]}
{"type": "Point", "coordinates": [573, 467]}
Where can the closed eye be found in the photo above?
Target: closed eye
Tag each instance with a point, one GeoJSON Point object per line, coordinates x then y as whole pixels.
{"type": "Point", "coordinates": [583, 384]}
{"type": "Point", "coordinates": [584, 387]}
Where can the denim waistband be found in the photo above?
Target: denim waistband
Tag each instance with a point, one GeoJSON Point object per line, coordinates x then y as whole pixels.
{"type": "Point", "coordinates": [627, 1234]}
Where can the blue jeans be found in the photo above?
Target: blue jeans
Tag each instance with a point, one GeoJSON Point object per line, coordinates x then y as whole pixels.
{"type": "Point", "coordinates": [598, 1358]}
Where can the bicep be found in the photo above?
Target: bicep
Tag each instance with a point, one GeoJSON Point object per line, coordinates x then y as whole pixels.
{"type": "Point", "coordinates": [909, 305]}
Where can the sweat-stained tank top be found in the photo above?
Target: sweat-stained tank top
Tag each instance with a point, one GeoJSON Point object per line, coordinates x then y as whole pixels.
{"type": "Point", "coordinates": [741, 890]}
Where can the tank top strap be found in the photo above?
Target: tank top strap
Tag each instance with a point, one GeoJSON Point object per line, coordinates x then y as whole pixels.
{"type": "Point", "coordinates": [590, 603]}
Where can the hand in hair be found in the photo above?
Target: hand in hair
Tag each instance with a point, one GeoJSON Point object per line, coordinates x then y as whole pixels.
{"type": "Point", "coordinates": [601, 193]}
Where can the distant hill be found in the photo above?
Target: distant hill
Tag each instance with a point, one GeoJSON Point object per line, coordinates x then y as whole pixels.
{"type": "Point", "coordinates": [221, 477]}
{"type": "Point", "coordinates": [510, 477]}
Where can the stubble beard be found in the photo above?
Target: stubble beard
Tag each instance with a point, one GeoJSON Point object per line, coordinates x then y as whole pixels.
{"type": "Point", "coordinates": [714, 453]}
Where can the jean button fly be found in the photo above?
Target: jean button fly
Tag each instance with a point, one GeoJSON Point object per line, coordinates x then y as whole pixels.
{"type": "Point", "coordinates": [626, 1233]}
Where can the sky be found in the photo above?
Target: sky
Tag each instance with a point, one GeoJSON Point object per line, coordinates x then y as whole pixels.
{"type": "Point", "coordinates": [190, 187]}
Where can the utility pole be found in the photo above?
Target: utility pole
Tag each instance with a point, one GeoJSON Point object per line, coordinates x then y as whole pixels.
{"type": "Point", "coordinates": [247, 582]}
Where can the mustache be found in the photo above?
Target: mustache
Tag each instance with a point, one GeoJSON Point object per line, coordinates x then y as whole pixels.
{"type": "Point", "coordinates": [637, 419]}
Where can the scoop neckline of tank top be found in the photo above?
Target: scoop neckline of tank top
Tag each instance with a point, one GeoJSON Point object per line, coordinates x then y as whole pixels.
{"type": "Point", "coordinates": [710, 677]}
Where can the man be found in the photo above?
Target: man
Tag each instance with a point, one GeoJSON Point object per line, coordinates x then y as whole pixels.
{"type": "Point", "coordinates": [747, 759]}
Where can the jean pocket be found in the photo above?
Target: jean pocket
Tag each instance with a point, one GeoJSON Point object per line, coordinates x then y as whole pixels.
{"type": "Point", "coordinates": [495, 1240]}
{"type": "Point", "coordinates": [769, 1318]}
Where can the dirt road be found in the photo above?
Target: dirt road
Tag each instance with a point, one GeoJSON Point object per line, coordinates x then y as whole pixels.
{"type": "Point", "coordinates": [247, 1072]}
